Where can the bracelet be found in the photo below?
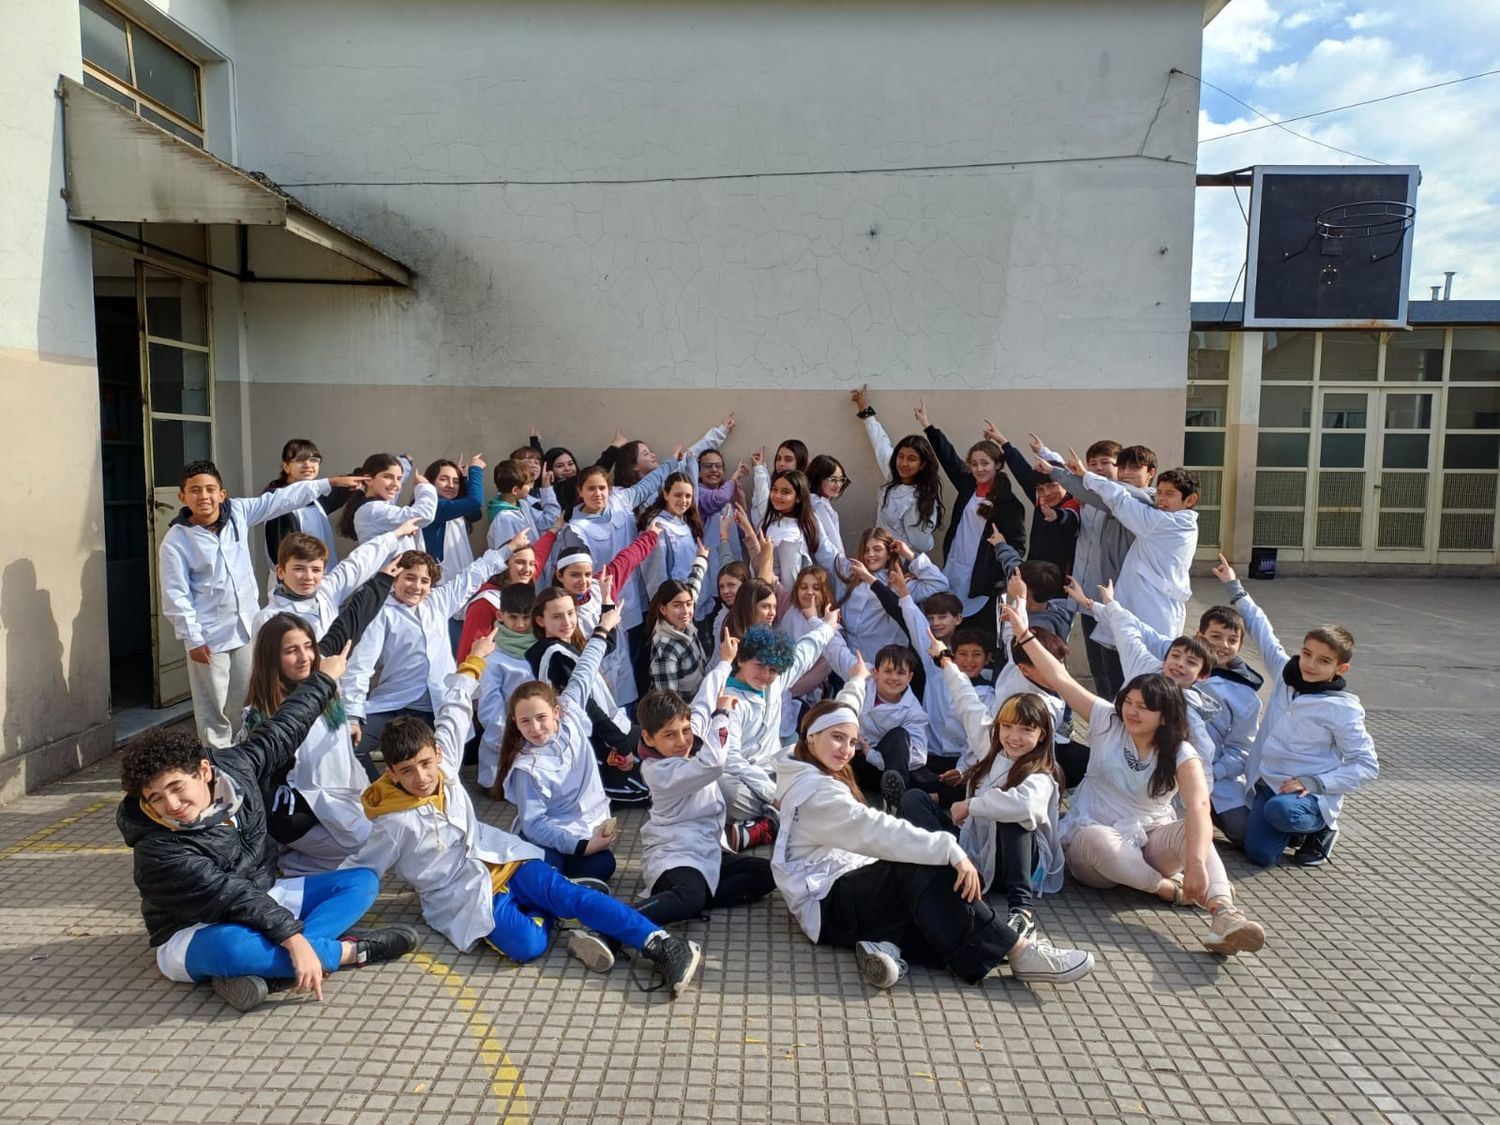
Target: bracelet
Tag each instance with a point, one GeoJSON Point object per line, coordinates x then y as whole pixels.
{"type": "Point", "coordinates": [718, 711]}
{"type": "Point", "coordinates": [600, 633]}
{"type": "Point", "coordinates": [1027, 639]}
{"type": "Point", "coordinates": [867, 412]}
{"type": "Point", "coordinates": [944, 655]}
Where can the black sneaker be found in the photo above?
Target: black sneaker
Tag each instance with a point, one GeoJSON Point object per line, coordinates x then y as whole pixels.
{"type": "Point", "coordinates": [590, 883]}
{"type": "Point", "coordinates": [1023, 922]}
{"type": "Point", "coordinates": [385, 944]}
{"type": "Point", "coordinates": [1316, 849]}
{"type": "Point", "coordinates": [675, 958]}
{"type": "Point", "coordinates": [892, 788]}
{"type": "Point", "coordinates": [243, 994]}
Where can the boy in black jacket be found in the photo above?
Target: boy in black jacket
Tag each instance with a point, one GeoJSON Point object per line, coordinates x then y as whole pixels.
{"type": "Point", "coordinates": [206, 866]}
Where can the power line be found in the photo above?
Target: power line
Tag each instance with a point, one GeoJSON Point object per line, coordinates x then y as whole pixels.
{"type": "Point", "coordinates": [1351, 105]}
{"type": "Point", "coordinates": [914, 168]}
{"type": "Point", "coordinates": [1277, 124]}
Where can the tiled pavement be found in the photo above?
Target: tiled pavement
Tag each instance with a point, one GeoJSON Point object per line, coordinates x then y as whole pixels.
{"type": "Point", "coordinates": [1373, 1001]}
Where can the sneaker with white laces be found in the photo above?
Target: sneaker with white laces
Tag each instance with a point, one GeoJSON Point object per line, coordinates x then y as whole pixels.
{"type": "Point", "coordinates": [880, 963]}
{"type": "Point", "coordinates": [243, 994]}
{"type": "Point", "coordinates": [1231, 930]}
{"type": "Point", "coordinates": [1041, 962]}
{"type": "Point", "coordinates": [1316, 848]}
{"type": "Point", "coordinates": [892, 790]}
{"type": "Point", "coordinates": [1023, 922]}
{"type": "Point", "coordinates": [592, 950]}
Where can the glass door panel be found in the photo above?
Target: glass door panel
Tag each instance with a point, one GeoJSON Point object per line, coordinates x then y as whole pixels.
{"type": "Point", "coordinates": [1401, 493]}
{"type": "Point", "coordinates": [1342, 470]}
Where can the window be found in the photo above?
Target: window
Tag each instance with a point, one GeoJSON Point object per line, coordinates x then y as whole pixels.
{"type": "Point", "coordinates": [1414, 357]}
{"type": "Point", "coordinates": [1476, 355]}
{"type": "Point", "coordinates": [128, 64]}
{"type": "Point", "coordinates": [1350, 357]}
{"type": "Point", "coordinates": [1288, 357]}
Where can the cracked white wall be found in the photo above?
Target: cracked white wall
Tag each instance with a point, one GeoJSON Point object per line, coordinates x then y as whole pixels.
{"type": "Point", "coordinates": [1066, 267]}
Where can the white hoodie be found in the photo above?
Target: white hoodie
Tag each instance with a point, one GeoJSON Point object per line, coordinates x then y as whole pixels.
{"type": "Point", "coordinates": [443, 855]}
{"type": "Point", "coordinates": [897, 512]}
{"type": "Point", "coordinates": [687, 806]}
{"type": "Point", "coordinates": [827, 833]}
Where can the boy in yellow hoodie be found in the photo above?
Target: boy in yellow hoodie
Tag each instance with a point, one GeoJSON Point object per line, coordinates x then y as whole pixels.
{"type": "Point", "coordinates": [476, 881]}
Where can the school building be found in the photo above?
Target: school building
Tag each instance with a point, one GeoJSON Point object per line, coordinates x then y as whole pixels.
{"type": "Point", "coordinates": [419, 228]}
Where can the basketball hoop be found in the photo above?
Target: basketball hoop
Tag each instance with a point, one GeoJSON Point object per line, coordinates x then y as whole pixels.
{"type": "Point", "coordinates": [1370, 218]}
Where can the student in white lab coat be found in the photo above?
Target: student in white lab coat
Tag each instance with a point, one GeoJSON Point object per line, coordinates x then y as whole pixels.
{"type": "Point", "coordinates": [475, 881]}
{"type": "Point", "coordinates": [1312, 749]}
{"type": "Point", "coordinates": [305, 587]}
{"type": "Point", "coordinates": [683, 862]}
{"type": "Point", "coordinates": [377, 512]}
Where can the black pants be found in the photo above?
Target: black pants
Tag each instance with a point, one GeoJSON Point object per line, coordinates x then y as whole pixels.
{"type": "Point", "coordinates": [622, 787]}
{"type": "Point", "coordinates": [683, 892]}
{"type": "Point", "coordinates": [1015, 853]}
{"type": "Point", "coordinates": [1073, 757]}
{"type": "Point", "coordinates": [1104, 663]}
{"type": "Point", "coordinates": [895, 751]}
{"type": "Point", "coordinates": [916, 907]}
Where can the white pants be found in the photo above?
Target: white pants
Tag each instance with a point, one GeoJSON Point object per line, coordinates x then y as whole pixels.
{"type": "Point", "coordinates": [219, 688]}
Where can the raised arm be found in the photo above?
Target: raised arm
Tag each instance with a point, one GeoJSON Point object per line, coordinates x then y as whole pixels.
{"type": "Point", "coordinates": [623, 565]}
{"type": "Point", "coordinates": [1136, 658]}
{"type": "Point", "coordinates": [953, 465]}
{"type": "Point", "coordinates": [1052, 671]}
{"type": "Point", "coordinates": [1134, 516]}
{"type": "Point", "coordinates": [1256, 622]}
{"type": "Point", "coordinates": [455, 717]}
{"type": "Point", "coordinates": [581, 683]}
{"type": "Point", "coordinates": [880, 442]}
{"type": "Point", "coordinates": [280, 501]}
{"type": "Point", "coordinates": [447, 598]}
{"type": "Point", "coordinates": [362, 564]}
{"type": "Point", "coordinates": [1020, 468]}
{"type": "Point", "coordinates": [644, 490]}
{"type": "Point", "coordinates": [359, 609]}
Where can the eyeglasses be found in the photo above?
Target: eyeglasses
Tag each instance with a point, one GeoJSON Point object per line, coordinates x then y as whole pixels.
{"type": "Point", "coordinates": [309, 458]}
{"type": "Point", "coordinates": [840, 480]}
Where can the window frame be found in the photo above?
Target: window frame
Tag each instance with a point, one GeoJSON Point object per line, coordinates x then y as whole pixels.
{"type": "Point", "coordinates": [130, 90]}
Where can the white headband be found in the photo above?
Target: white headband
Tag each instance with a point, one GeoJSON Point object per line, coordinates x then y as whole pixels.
{"type": "Point", "coordinates": [839, 715]}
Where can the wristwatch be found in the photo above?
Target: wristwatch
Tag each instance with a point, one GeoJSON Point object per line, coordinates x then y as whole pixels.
{"type": "Point", "coordinates": [867, 412]}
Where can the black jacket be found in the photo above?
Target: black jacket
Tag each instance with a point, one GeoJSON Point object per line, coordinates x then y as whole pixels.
{"type": "Point", "coordinates": [220, 872]}
{"type": "Point", "coordinates": [1009, 515]}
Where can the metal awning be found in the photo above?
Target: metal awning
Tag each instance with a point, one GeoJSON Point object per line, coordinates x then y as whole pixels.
{"type": "Point", "coordinates": [123, 169]}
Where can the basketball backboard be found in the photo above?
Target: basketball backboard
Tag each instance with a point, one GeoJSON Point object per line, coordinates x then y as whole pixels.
{"type": "Point", "coordinates": [1330, 247]}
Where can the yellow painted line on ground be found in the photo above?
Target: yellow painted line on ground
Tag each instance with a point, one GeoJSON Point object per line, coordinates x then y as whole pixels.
{"type": "Point", "coordinates": [29, 843]}
{"type": "Point", "coordinates": [506, 1081]}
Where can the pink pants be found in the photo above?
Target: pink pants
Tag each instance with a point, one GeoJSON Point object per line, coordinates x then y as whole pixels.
{"type": "Point", "coordinates": [1100, 857]}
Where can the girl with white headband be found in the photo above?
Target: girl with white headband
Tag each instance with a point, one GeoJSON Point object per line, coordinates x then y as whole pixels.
{"type": "Point", "coordinates": [857, 877]}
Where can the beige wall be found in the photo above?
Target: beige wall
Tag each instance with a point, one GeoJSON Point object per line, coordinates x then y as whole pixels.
{"type": "Point", "coordinates": [54, 675]}
{"type": "Point", "coordinates": [54, 678]}
{"type": "Point", "coordinates": [348, 423]}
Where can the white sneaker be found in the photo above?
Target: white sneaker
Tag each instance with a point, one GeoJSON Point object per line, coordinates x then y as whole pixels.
{"type": "Point", "coordinates": [592, 951]}
{"type": "Point", "coordinates": [1041, 962]}
{"type": "Point", "coordinates": [880, 963]}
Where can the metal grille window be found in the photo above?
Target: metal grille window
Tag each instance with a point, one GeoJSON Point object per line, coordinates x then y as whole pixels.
{"type": "Point", "coordinates": [128, 64]}
{"type": "Point", "coordinates": [1206, 422]}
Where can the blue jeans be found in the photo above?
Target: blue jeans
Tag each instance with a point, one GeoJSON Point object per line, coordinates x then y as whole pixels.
{"type": "Point", "coordinates": [536, 896]}
{"type": "Point", "coordinates": [1274, 818]}
{"type": "Point", "coordinates": [600, 865]}
{"type": "Point", "coordinates": [330, 904]}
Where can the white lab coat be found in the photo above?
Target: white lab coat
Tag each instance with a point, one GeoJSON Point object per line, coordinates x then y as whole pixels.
{"type": "Point", "coordinates": [1154, 580]}
{"type": "Point", "coordinates": [410, 646]}
{"type": "Point", "coordinates": [897, 510]}
{"type": "Point", "coordinates": [555, 787]}
{"type": "Point", "coordinates": [503, 673]}
{"type": "Point", "coordinates": [443, 855]}
{"type": "Point", "coordinates": [208, 587]}
{"type": "Point", "coordinates": [375, 517]}
{"type": "Point", "coordinates": [686, 825]}
{"type": "Point", "coordinates": [321, 607]}
{"type": "Point", "coordinates": [1319, 739]}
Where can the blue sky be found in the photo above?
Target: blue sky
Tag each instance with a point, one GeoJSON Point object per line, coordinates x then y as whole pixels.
{"type": "Point", "coordinates": [1288, 57]}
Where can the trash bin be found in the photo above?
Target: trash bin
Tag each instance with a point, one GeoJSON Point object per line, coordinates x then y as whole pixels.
{"type": "Point", "coordinates": [1263, 562]}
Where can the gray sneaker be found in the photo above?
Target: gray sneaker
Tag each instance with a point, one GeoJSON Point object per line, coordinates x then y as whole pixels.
{"type": "Point", "coordinates": [880, 963]}
{"type": "Point", "coordinates": [243, 994]}
{"type": "Point", "coordinates": [592, 951]}
{"type": "Point", "coordinates": [1041, 962]}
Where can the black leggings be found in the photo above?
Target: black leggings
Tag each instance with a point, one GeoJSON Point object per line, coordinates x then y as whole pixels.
{"type": "Point", "coordinates": [895, 751]}
{"type": "Point", "coordinates": [916, 907]}
{"type": "Point", "coordinates": [683, 892]}
{"type": "Point", "coordinates": [1015, 853]}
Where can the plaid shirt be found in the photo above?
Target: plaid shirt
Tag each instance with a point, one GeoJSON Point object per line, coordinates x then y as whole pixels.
{"type": "Point", "coordinates": [677, 661]}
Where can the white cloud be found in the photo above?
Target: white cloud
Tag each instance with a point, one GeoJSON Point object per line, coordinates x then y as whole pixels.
{"type": "Point", "coordinates": [1359, 21]}
{"type": "Point", "coordinates": [1311, 14]}
{"type": "Point", "coordinates": [1444, 131]}
{"type": "Point", "coordinates": [1240, 35]}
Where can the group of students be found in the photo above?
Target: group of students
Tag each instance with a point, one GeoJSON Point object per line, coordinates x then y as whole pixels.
{"type": "Point", "coordinates": [904, 736]}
